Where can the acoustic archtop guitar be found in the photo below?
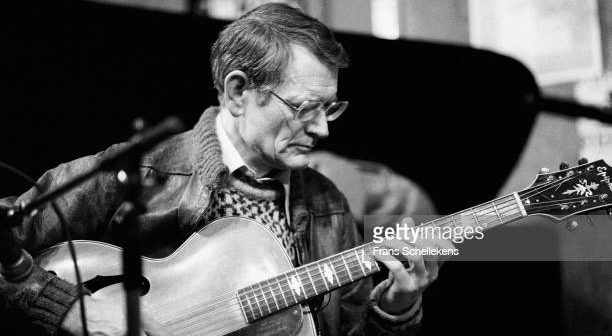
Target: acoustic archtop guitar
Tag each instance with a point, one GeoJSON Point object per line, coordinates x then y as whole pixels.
{"type": "Point", "coordinates": [234, 277]}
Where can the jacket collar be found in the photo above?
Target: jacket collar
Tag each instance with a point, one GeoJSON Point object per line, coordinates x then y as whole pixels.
{"type": "Point", "coordinates": [208, 164]}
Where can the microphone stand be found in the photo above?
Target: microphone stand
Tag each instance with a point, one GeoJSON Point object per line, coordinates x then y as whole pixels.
{"type": "Point", "coordinates": [17, 264]}
{"type": "Point", "coordinates": [129, 226]}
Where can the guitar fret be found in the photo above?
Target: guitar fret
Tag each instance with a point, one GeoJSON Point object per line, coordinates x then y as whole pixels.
{"type": "Point", "coordinates": [287, 278]}
{"type": "Point", "coordinates": [375, 264]}
{"type": "Point", "coordinates": [359, 262]}
{"type": "Point", "coordinates": [453, 219]}
{"type": "Point", "coordinates": [497, 212]}
{"type": "Point", "coordinates": [264, 297]}
{"type": "Point", "coordinates": [249, 299]}
{"type": "Point", "coordinates": [273, 295]}
{"type": "Point", "coordinates": [245, 297]}
{"type": "Point", "coordinates": [331, 262]}
{"type": "Point", "coordinates": [298, 281]}
{"type": "Point", "coordinates": [238, 296]}
{"type": "Point", "coordinates": [346, 266]}
{"type": "Point", "coordinates": [366, 260]}
{"type": "Point", "coordinates": [322, 276]}
{"type": "Point", "coordinates": [282, 292]}
{"type": "Point", "coordinates": [257, 301]}
{"type": "Point", "coordinates": [356, 270]}
{"type": "Point", "coordinates": [253, 308]}
{"type": "Point", "coordinates": [305, 282]}
{"type": "Point", "coordinates": [475, 217]}
{"type": "Point", "coordinates": [317, 276]}
{"type": "Point", "coordinates": [314, 287]}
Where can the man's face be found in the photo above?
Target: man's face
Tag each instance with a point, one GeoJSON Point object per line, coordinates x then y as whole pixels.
{"type": "Point", "coordinates": [276, 139]}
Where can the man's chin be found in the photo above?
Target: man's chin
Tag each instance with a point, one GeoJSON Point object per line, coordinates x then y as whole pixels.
{"type": "Point", "coordinates": [297, 162]}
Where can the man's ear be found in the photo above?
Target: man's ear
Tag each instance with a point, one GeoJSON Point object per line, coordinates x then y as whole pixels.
{"type": "Point", "coordinates": [234, 95]}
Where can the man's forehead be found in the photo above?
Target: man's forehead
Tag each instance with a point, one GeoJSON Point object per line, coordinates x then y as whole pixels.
{"type": "Point", "coordinates": [311, 86]}
{"type": "Point", "coordinates": [306, 74]}
{"type": "Point", "coordinates": [315, 81]}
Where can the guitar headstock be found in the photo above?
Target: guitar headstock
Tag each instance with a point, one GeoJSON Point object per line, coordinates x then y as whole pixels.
{"type": "Point", "coordinates": [569, 191]}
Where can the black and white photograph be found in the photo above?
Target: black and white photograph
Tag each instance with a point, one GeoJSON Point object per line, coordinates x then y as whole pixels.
{"type": "Point", "coordinates": [306, 167]}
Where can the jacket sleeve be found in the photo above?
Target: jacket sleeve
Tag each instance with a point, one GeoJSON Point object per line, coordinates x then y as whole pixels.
{"type": "Point", "coordinates": [42, 301]}
{"type": "Point", "coordinates": [372, 188]}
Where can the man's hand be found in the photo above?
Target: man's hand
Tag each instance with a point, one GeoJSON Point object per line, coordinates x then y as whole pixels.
{"type": "Point", "coordinates": [408, 284]}
{"type": "Point", "coordinates": [106, 317]}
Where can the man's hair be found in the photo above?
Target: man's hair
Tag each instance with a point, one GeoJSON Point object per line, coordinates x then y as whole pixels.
{"type": "Point", "coordinates": [259, 44]}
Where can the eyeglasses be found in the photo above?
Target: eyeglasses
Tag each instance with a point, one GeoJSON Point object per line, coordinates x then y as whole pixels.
{"type": "Point", "coordinates": [308, 109]}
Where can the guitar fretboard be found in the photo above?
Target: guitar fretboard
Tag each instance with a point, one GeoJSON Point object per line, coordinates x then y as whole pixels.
{"type": "Point", "coordinates": [320, 277]}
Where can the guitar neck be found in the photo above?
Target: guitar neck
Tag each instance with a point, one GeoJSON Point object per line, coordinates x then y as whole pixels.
{"type": "Point", "coordinates": [323, 276]}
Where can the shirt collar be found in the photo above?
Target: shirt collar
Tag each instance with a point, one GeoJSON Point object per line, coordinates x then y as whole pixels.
{"type": "Point", "coordinates": [229, 154]}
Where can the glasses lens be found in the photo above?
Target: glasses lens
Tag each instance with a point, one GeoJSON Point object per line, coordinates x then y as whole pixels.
{"type": "Point", "coordinates": [335, 110]}
{"type": "Point", "coordinates": [309, 110]}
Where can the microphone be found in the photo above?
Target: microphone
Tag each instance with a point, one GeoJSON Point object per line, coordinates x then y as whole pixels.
{"type": "Point", "coordinates": [16, 263]}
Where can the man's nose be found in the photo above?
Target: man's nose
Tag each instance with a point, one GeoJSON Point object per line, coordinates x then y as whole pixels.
{"type": "Point", "coordinates": [318, 126]}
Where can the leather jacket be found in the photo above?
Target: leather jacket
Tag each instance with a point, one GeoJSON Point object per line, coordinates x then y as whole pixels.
{"type": "Point", "coordinates": [187, 169]}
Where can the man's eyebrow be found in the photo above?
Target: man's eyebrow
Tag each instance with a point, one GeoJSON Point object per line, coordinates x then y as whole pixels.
{"type": "Point", "coordinates": [300, 98]}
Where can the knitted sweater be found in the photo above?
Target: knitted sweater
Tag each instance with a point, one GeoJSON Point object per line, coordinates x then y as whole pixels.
{"type": "Point", "coordinates": [261, 201]}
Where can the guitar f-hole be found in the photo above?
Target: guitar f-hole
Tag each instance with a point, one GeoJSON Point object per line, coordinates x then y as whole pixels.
{"type": "Point", "coordinates": [102, 281]}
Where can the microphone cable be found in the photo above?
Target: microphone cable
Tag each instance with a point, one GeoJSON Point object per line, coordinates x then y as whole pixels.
{"type": "Point", "coordinates": [65, 234]}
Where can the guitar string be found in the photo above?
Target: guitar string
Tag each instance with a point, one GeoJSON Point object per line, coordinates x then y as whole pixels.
{"type": "Point", "coordinates": [204, 318]}
{"type": "Point", "coordinates": [481, 213]}
{"type": "Point", "coordinates": [257, 297]}
{"type": "Point", "coordinates": [344, 278]}
{"type": "Point", "coordinates": [548, 207]}
{"type": "Point", "coordinates": [546, 186]}
{"type": "Point", "coordinates": [204, 324]}
{"type": "Point", "coordinates": [342, 275]}
{"type": "Point", "coordinates": [199, 311]}
{"type": "Point", "coordinates": [468, 213]}
{"type": "Point", "coordinates": [269, 290]}
{"type": "Point", "coordinates": [222, 321]}
{"type": "Point", "coordinates": [570, 200]}
{"type": "Point", "coordinates": [320, 278]}
{"type": "Point", "coordinates": [185, 312]}
{"type": "Point", "coordinates": [541, 189]}
{"type": "Point", "coordinates": [316, 279]}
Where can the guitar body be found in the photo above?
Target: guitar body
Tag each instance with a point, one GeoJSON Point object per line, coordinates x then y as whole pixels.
{"type": "Point", "coordinates": [193, 291]}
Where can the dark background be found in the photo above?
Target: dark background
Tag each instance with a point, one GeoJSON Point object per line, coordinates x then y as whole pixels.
{"type": "Point", "coordinates": [451, 118]}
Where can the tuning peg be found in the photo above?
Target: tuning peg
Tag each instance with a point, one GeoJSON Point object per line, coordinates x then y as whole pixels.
{"type": "Point", "coordinates": [582, 161]}
{"type": "Point", "coordinates": [563, 165]}
{"type": "Point", "coordinates": [544, 170]}
{"type": "Point", "coordinates": [571, 226]}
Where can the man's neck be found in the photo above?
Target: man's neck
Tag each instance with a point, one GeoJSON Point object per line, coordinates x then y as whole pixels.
{"type": "Point", "coordinates": [251, 159]}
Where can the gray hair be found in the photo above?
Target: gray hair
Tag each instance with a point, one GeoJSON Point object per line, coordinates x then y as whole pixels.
{"type": "Point", "coordinates": [259, 44]}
